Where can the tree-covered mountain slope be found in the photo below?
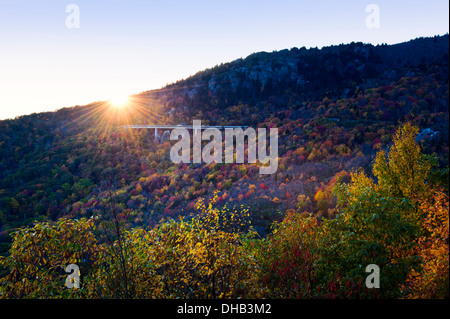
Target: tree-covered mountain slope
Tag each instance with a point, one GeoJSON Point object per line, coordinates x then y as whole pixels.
{"type": "Point", "coordinates": [334, 108]}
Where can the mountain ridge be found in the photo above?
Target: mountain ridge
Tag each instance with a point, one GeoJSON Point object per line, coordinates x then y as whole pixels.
{"type": "Point", "coordinates": [436, 46]}
{"type": "Point", "coordinates": [264, 74]}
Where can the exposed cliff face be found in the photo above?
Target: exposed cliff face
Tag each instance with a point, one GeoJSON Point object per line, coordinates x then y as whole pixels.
{"type": "Point", "coordinates": [297, 75]}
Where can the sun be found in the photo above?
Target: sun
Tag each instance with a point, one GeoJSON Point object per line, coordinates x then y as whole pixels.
{"type": "Point", "coordinates": [119, 101]}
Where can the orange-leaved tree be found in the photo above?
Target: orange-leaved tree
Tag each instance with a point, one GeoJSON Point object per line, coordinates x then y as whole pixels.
{"type": "Point", "coordinates": [433, 247]}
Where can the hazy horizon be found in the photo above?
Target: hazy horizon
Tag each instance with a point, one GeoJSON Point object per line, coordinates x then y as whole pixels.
{"type": "Point", "coordinates": [128, 48]}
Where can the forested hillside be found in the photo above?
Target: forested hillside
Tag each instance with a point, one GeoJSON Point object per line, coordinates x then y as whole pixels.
{"type": "Point", "coordinates": [354, 122]}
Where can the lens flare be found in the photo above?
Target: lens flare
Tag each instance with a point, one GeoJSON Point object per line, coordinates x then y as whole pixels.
{"type": "Point", "coordinates": [119, 101]}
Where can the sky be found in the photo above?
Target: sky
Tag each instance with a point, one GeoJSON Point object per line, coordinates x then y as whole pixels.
{"type": "Point", "coordinates": [104, 49]}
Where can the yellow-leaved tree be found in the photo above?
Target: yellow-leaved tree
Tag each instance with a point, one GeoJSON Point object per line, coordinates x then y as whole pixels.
{"type": "Point", "coordinates": [39, 256]}
{"type": "Point", "coordinates": [205, 257]}
{"type": "Point", "coordinates": [403, 171]}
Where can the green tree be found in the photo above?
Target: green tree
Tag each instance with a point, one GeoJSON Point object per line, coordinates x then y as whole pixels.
{"type": "Point", "coordinates": [378, 221]}
{"type": "Point", "coordinates": [370, 229]}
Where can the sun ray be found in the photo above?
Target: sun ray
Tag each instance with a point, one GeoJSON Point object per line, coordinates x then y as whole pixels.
{"type": "Point", "coordinates": [105, 117]}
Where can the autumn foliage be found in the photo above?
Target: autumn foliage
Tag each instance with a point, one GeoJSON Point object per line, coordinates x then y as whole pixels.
{"type": "Point", "coordinates": [396, 218]}
{"type": "Point", "coordinates": [432, 281]}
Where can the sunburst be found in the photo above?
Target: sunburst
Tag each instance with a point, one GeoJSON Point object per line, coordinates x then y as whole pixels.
{"type": "Point", "coordinates": [119, 101]}
{"type": "Point", "coordinates": [105, 117]}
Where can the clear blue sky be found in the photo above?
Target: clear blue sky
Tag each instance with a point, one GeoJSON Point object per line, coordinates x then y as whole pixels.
{"type": "Point", "coordinates": [125, 47]}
